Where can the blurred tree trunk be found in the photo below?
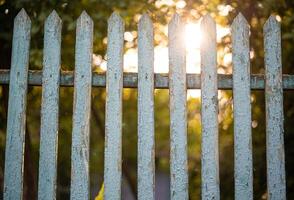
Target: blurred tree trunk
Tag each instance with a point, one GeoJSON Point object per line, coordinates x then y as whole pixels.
{"type": "Point", "coordinates": [30, 183]}
{"type": "Point", "coordinates": [5, 55]}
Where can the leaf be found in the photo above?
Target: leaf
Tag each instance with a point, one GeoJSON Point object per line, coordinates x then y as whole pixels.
{"type": "Point", "coordinates": [101, 193]}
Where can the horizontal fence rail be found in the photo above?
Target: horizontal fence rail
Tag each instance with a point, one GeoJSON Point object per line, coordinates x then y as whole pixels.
{"type": "Point", "coordinates": [161, 81]}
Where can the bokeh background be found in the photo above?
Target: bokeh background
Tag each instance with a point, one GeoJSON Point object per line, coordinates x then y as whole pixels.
{"type": "Point", "coordinates": [161, 11]}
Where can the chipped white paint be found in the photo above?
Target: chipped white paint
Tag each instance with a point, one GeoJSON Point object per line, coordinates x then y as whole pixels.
{"type": "Point", "coordinates": [274, 111]}
{"type": "Point", "coordinates": [146, 163]}
{"type": "Point", "coordinates": [242, 109]}
{"type": "Point", "coordinates": [209, 112]}
{"type": "Point", "coordinates": [16, 120]}
{"type": "Point", "coordinates": [113, 113]}
{"type": "Point", "coordinates": [178, 118]}
{"type": "Point", "coordinates": [49, 113]}
{"type": "Point", "coordinates": [81, 110]}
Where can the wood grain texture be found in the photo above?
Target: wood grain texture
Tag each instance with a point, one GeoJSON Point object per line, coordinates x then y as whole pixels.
{"type": "Point", "coordinates": [209, 112]}
{"type": "Point", "coordinates": [113, 113]}
{"type": "Point", "coordinates": [146, 162]}
{"type": "Point", "coordinates": [80, 185]}
{"type": "Point", "coordinates": [49, 109]}
{"type": "Point", "coordinates": [276, 181]}
{"type": "Point", "coordinates": [16, 120]}
{"type": "Point", "coordinates": [178, 113]}
{"type": "Point", "coordinates": [242, 109]}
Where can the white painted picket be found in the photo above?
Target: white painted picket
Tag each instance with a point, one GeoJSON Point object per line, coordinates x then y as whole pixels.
{"type": "Point", "coordinates": [209, 112]}
{"type": "Point", "coordinates": [16, 120]}
{"type": "Point", "coordinates": [177, 81]}
{"type": "Point", "coordinates": [113, 114]}
{"type": "Point", "coordinates": [242, 109]}
{"type": "Point", "coordinates": [146, 144]}
{"type": "Point", "coordinates": [80, 183]}
{"type": "Point", "coordinates": [49, 110]}
{"type": "Point", "coordinates": [178, 118]}
{"type": "Point", "coordinates": [276, 180]}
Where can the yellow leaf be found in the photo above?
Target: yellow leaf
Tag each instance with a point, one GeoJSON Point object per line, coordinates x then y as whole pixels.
{"type": "Point", "coordinates": [101, 193]}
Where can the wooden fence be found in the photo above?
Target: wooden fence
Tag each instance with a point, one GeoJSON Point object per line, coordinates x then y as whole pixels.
{"type": "Point", "coordinates": [177, 81]}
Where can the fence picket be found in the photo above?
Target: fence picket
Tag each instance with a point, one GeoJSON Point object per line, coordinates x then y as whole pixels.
{"type": "Point", "coordinates": [242, 109]}
{"type": "Point", "coordinates": [81, 112]}
{"type": "Point", "coordinates": [113, 114]}
{"type": "Point", "coordinates": [274, 111]}
{"type": "Point", "coordinates": [16, 120]}
{"type": "Point", "coordinates": [146, 163]}
{"type": "Point", "coordinates": [209, 111]}
{"type": "Point", "coordinates": [178, 118]}
{"type": "Point", "coordinates": [49, 110]}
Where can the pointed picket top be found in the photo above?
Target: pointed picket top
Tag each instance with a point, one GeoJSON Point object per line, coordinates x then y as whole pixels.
{"type": "Point", "coordinates": [53, 19]}
{"type": "Point", "coordinates": [208, 27]}
{"type": "Point", "coordinates": [240, 31]}
{"type": "Point", "coordinates": [176, 22]}
{"type": "Point", "coordinates": [115, 18]}
{"type": "Point", "coordinates": [145, 22]}
{"type": "Point", "coordinates": [207, 21]}
{"type": "Point", "coordinates": [22, 18]}
{"type": "Point", "coordinates": [145, 31]}
{"type": "Point", "coordinates": [271, 24]}
{"type": "Point", "coordinates": [84, 20]}
{"type": "Point", "coordinates": [175, 19]}
{"type": "Point", "coordinates": [239, 21]}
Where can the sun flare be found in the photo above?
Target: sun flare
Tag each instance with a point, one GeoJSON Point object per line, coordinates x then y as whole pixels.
{"type": "Point", "coordinates": [193, 37]}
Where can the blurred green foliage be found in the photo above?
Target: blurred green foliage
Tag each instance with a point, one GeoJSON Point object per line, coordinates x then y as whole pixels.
{"type": "Point", "coordinates": [255, 11]}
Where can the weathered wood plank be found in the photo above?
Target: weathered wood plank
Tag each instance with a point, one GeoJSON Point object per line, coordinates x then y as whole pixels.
{"type": "Point", "coordinates": [209, 111]}
{"type": "Point", "coordinates": [49, 110]}
{"type": "Point", "coordinates": [130, 80]}
{"type": "Point", "coordinates": [146, 162]}
{"type": "Point", "coordinates": [16, 120]}
{"type": "Point", "coordinates": [274, 111]}
{"type": "Point", "coordinates": [178, 113]}
{"type": "Point", "coordinates": [113, 115]}
{"type": "Point", "coordinates": [80, 185]}
{"type": "Point", "coordinates": [242, 109]}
